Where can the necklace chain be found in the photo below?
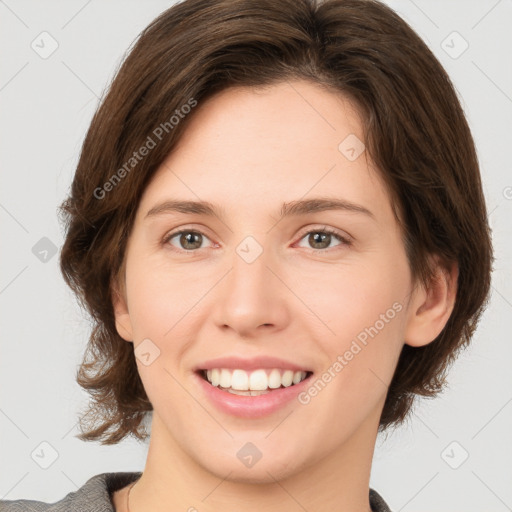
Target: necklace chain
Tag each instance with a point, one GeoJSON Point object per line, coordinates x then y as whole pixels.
{"type": "Point", "coordinates": [128, 497]}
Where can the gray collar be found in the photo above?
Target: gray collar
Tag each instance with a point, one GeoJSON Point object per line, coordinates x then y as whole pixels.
{"type": "Point", "coordinates": [96, 496]}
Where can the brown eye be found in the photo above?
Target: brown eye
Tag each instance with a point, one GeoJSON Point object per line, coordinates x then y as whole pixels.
{"type": "Point", "coordinates": [323, 238]}
{"type": "Point", "coordinates": [320, 240]}
{"type": "Point", "coordinates": [187, 240]}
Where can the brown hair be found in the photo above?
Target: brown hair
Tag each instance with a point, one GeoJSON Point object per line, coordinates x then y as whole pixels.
{"type": "Point", "coordinates": [415, 132]}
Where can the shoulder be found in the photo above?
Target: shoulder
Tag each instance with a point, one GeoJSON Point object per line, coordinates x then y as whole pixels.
{"type": "Point", "coordinates": [93, 496]}
{"type": "Point", "coordinates": [377, 502]}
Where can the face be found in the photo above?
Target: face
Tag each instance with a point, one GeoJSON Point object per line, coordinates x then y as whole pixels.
{"type": "Point", "coordinates": [270, 288]}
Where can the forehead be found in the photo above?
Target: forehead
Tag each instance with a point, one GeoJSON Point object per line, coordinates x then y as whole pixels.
{"type": "Point", "coordinates": [259, 147]}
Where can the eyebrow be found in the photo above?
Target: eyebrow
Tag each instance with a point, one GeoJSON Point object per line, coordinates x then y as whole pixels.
{"type": "Point", "coordinates": [290, 209]}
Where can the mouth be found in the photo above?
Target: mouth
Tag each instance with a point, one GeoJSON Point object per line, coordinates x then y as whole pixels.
{"type": "Point", "coordinates": [252, 383]}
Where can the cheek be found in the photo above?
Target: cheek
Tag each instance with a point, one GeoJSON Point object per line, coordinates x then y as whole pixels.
{"type": "Point", "coordinates": [159, 307]}
{"type": "Point", "coordinates": [347, 300]}
{"type": "Point", "coordinates": [150, 306]}
{"type": "Point", "coordinates": [340, 303]}
{"type": "Point", "coordinates": [365, 313]}
{"type": "Point", "coordinates": [362, 308]}
{"type": "Point", "coordinates": [160, 297]}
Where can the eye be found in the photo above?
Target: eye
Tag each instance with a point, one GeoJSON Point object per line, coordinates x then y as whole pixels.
{"type": "Point", "coordinates": [188, 239]}
{"type": "Point", "coordinates": [320, 239]}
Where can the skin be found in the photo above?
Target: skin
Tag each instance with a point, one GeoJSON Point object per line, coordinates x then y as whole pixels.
{"type": "Point", "coordinates": [249, 151]}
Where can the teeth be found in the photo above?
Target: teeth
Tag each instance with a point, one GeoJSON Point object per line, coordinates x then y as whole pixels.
{"type": "Point", "coordinates": [247, 393]}
{"type": "Point", "coordinates": [225, 379]}
{"type": "Point", "coordinates": [258, 380]}
{"type": "Point", "coordinates": [253, 383]}
{"type": "Point", "coordinates": [287, 378]}
{"type": "Point", "coordinates": [215, 377]}
{"type": "Point", "coordinates": [274, 379]}
{"type": "Point", "coordinates": [297, 377]}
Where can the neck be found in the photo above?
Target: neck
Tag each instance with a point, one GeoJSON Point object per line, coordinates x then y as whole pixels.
{"type": "Point", "coordinates": [173, 480]}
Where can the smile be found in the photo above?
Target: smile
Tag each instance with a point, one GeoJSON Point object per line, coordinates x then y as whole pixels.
{"type": "Point", "coordinates": [252, 383]}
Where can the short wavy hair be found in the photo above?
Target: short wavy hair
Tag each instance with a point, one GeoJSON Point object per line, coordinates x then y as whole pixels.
{"type": "Point", "coordinates": [415, 131]}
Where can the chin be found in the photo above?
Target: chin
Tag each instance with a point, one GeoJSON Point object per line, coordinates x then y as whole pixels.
{"type": "Point", "coordinates": [245, 463]}
{"type": "Point", "coordinates": [261, 473]}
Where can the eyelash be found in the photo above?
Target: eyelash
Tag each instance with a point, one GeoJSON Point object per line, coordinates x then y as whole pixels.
{"type": "Point", "coordinates": [328, 231]}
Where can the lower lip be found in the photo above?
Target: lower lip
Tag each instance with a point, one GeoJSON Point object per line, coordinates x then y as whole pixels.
{"type": "Point", "coordinates": [251, 406]}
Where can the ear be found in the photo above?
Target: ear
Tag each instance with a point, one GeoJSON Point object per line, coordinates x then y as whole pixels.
{"type": "Point", "coordinates": [430, 307]}
{"type": "Point", "coordinates": [122, 316]}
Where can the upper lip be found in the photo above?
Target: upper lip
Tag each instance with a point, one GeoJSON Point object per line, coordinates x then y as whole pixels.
{"type": "Point", "coordinates": [254, 363]}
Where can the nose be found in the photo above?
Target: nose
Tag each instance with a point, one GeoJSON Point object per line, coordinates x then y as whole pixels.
{"type": "Point", "coordinates": [252, 299]}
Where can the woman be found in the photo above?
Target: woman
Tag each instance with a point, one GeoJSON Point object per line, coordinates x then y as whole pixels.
{"type": "Point", "coordinates": [277, 224]}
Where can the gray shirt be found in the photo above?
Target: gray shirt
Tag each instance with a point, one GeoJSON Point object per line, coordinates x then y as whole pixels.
{"type": "Point", "coordinates": [96, 496]}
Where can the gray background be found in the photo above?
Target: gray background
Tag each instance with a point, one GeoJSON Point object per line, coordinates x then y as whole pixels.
{"type": "Point", "coordinates": [47, 104]}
